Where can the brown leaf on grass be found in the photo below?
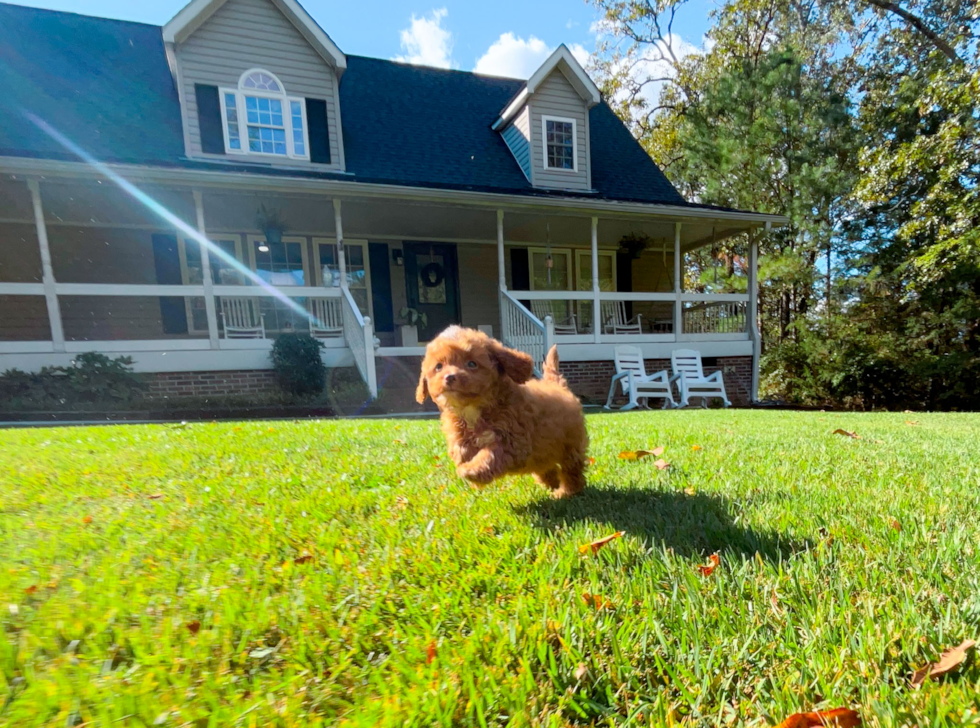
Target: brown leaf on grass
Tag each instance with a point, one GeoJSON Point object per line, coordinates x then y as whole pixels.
{"type": "Point", "coordinates": [155, 496]}
{"type": "Point", "coordinates": [950, 660]}
{"type": "Point", "coordinates": [695, 448]}
{"type": "Point", "coordinates": [662, 464]}
{"type": "Point", "coordinates": [304, 558]}
{"type": "Point", "coordinates": [87, 520]}
{"type": "Point", "coordinates": [599, 543]}
{"type": "Point", "coordinates": [193, 627]}
{"type": "Point", "coordinates": [430, 653]}
{"type": "Point", "coordinates": [398, 442]}
{"type": "Point", "coordinates": [640, 454]}
{"type": "Point", "coordinates": [31, 589]}
{"type": "Point", "coordinates": [913, 423]}
{"type": "Point", "coordinates": [591, 461]}
{"type": "Point", "coordinates": [581, 671]}
{"type": "Point", "coordinates": [596, 600]}
{"type": "Point", "coordinates": [707, 570]}
{"type": "Point", "coordinates": [401, 502]}
{"type": "Point", "coordinates": [840, 717]}
{"type": "Point", "coordinates": [896, 525]}
{"type": "Point", "coordinates": [845, 433]}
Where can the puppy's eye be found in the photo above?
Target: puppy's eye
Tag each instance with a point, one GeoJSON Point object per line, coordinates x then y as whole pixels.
{"type": "Point", "coordinates": [471, 364]}
{"type": "Point", "coordinates": [439, 367]}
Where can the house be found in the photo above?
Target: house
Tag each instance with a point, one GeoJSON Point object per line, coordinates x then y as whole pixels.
{"type": "Point", "coordinates": [184, 194]}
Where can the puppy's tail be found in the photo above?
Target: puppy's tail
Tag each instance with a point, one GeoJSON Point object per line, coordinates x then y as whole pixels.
{"type": "Point", "coordinates": [550, 372]}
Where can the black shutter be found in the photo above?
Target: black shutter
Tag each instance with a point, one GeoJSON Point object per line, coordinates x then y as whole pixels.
{"type": "Point", "coordinates": [173, 315]}
{"type": "Point", "coordinates": [624, 278]}
{"type": "Point", "coordinates": [520, 272]}
{"type": "Point", "coordinates": [384, 319]}
{"type": "Point", "coordinates": [316, 120]}
{"type": "Point", "coordinates": [209, 119]}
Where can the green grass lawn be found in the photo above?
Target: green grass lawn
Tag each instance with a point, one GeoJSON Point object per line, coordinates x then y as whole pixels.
{"type": "Point", "coordinates": [338, 573]}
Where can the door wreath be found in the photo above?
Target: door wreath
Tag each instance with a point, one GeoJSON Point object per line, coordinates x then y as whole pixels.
{"type": "Point", "coordinates": [432, 275]}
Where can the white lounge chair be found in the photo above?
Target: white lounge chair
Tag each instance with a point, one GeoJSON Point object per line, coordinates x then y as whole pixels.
{"type": "Point", "coordinates": [635, 382]}
{"type": "Point", "coordinates": [614, 319]}
{"type": "Point", "coordinates": [691, 382]}
{"type": "Point", "coordinates": [326, 318]}
{"type": "Point", "coordinates": [564, 326]}
{"type": "Point", "coordinates": [241, 318]}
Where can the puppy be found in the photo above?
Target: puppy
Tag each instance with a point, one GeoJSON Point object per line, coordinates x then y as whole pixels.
{"type": "Point", "coordinates": [497, 419]}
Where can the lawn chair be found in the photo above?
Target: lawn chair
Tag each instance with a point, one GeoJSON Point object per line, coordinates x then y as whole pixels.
{"type": "Point", "coordinates": [564, 326]}
{"type": "Point", "coordinates": [326, 320]}
{"type": "Point", "coordinates": [241, 318]}
{"type": "Point", "coordinates": [614, 319]}
{"type": "Point", "coordinates": [691, 382]}
{"type": "Point", "coordinates": [635, 382]}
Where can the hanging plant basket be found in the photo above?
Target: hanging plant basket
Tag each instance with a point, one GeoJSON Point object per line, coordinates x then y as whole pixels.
{"type": "Point", "coordinates": [634, 244]}
{"type": "Point", "coordinates": [271, 223]}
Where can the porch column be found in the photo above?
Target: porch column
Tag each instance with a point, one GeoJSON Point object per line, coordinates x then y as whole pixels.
{"type": "Point", "coordinates": [753, 315]}
{"type": "Point", "coordinates": [341, 258]}
{"type": "Point", "coordinates": [678, 284]}
{"type": "Point", "coordinates": [207, 279]}
{"type": "Point", "coordinates": [501, 268]}
{"type": "Point", "coordinates": [596, 303]}
{"type": "Point", "coordinates": [47, 272]}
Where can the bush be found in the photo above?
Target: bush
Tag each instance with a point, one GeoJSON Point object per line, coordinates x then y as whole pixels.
{"type": "Point", "coordinates": [298, 365]}
{"type": "Point", "coordinates": [91, 378]}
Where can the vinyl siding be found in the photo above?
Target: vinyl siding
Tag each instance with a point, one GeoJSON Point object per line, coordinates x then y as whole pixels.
{"type": "Point", "coordinates": [246, 34]}
{"type": "Point", "coordinates": [518, 138]}
{"type": "Point", "coordinates": [478, 299]}
{"type": "Point", "coordinates": [556, 97]}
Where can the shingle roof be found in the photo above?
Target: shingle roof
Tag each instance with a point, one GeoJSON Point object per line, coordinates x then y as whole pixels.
{"type": "Point", "coordinates": [106, 84]}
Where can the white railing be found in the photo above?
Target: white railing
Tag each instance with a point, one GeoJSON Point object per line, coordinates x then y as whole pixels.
{"type": "Point", "coordinates": [524, 331]}
{"type": "Point", "coordinates": [359, 335]}
{"type": "Point", "coordinates": [715, 317]}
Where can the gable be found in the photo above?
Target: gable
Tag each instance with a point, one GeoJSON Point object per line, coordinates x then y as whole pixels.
{"type": "Point", "coordinates": [555, 98]}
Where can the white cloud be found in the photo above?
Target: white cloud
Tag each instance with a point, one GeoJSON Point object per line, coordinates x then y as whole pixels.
{"type": "Point", "coordinates": [514, 57]}
{"type": "Point", "coordinates": [426, 43]}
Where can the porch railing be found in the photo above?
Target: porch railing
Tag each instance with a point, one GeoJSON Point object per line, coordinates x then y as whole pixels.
{"type": "Point", "coordinates": [359, 335]}
{"type": "Point", "coordinates": [713, 317]}
{"type": "Point", "coordinates": [524, 331]}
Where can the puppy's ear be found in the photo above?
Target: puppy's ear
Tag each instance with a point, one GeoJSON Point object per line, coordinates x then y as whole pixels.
{"type": "Point", "coordinates": [422, 391]}
{"type": "Point", "coordinates": [515, 364]}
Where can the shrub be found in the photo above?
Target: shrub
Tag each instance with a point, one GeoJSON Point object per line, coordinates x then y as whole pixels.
{"type": "Point", "coordinates": [91, 378]}
{"type": "Point", "coordinates": [298, 365]}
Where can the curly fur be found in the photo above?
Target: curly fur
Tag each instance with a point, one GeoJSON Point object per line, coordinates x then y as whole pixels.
{"type": "Point", "coordinates": [497, 419]}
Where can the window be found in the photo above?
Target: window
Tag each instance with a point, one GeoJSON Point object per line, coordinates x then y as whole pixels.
{"type": "Point", "coordinates": [607, 270]}
{"type": "Point", "coordinates": [224, 272]}
{"type": "Point", "coordinates": [259, 118]}
{"type": "Point", "coordinates": [559, 143]}
{"type": "Point", "coordinates": [358, 269]}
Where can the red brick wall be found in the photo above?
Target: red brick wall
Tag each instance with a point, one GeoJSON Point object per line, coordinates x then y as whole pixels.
{"type": "Point", "coordinates": [204, 384]}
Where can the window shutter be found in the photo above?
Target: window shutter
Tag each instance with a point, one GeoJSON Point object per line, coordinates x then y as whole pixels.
{"type": "Point", "coordinates": [520, 272]}
{"type": "Point", "coordinates": [316, 121]}
{"type": "Point", "coordinates": [209, 119]}
{"type": "Point", "coordinates": [166, 260]}
{"type": "Point", "coordinates": [624, 277]}
{"type": "Point", "coordinates": [384, 319]}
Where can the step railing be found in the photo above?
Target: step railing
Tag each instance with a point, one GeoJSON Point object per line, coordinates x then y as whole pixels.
{"type": "Point", "coordinates": [359, 335]}
{"type": "Point", "coordinates": [524, 331]}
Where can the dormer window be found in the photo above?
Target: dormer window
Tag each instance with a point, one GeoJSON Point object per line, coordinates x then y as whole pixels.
{"type": "Point", "coordinates": [260, 119]}
{"type": "Point", "coordinates": [559, 149]}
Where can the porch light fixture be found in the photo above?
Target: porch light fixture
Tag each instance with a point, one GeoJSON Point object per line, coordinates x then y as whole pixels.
{"type": "Point", "coordinates": [263, 248]}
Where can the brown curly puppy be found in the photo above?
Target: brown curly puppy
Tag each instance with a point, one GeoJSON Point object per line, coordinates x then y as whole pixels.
{"type": "Point", "coordinates": [497, 419]}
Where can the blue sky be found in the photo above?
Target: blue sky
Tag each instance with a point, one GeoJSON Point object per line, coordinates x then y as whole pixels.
{"type": "Point", "coordinates": [507, 37]}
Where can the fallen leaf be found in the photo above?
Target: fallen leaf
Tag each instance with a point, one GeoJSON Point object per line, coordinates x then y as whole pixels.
{"type": "Point", "coordinates": [912, 422]}
{"type": "Point", "coordinates": [845, 433]}
{"type": "Point", "coordinates": [840, 717]}
{"type": "Point", "coordinates": [31, 589]}
{"type": "Point", "coordinates": [155, 496]}
{"type": "Point", "coordinates": [662, 464]}
{"type": "Point", "coordinates": [401, 502]}
{"type": "Point", "coordinates": [87, 519]}
{"type": "Point", "coordinates": [430, 653]}
{"type": "Point", "coordinates": [193, 627]}
{"type": "Point", "coordinates": [598, 544]}
{"type": "Point", "coordinates": [237, 429]}
{"type": "Point", "coordinates": [581, 671]}
{"type": "Point", "coordinates": [950, 660]}
{"type": "Point", "coordinates": [689, 491]}
{"type": "Point", "coordinates": [896, 525]}
{"type": "Point", "coordinates": [398, 442]}
{"type": "Point", "coordinates": [596, 600]}
{"type": "Point", "coordinates": [639, 454]}
{"type": "Point", "coordinates": [695, 448]}
{"type": "Point", "coordinates": [706, 570]}
{"type": "Point", "coordinates": [591, 461]}
{"type": "Point", "coordinates": [303, 559]}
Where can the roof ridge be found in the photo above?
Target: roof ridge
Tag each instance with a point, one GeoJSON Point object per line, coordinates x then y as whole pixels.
{"type": "Point", "coordinates": [101, 18]}
{"type": "Point", "coordinates": [439, 69]}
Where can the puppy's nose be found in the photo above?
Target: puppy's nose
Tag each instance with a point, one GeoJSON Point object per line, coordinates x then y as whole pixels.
{"type": "Point", "coordinates": [450, 378]}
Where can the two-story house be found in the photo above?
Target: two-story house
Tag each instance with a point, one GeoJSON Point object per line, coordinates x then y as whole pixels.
{"type": "Point", "coordinates": [185, 194]}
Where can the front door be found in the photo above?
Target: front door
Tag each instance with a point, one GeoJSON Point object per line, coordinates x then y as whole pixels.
{"type": "Point", "coordinates": [432, 285]}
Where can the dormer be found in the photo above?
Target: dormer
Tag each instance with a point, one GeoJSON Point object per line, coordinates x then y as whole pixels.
{"type": "Point", "coordinates": [258, 82]}
{"type": "Point", "coordinates": [546, 126]}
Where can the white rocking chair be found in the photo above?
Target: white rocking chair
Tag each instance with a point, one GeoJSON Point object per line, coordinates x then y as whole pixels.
{"type": "Point", "coordinates": [241, 318]}
{"type": "Point", "coordinates": [686, 365]}
{"type": "Point", "coordinates": [326, 320]}
{"type": "Point", "coordinates": [563, 327]}
{"type": "Point", "coordinates": [614, 319]}
{"type": "Point", "coordinates": [635, 382]}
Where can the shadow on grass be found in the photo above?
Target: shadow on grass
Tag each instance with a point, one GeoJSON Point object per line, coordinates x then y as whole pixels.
{"type": "Point", "coordinates": [690, 525]}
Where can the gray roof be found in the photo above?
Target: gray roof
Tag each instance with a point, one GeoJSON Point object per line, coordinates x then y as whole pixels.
{"type": "Point", "coordinates": [106, 85]}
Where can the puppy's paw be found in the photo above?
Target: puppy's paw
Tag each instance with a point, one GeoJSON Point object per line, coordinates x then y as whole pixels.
{"type": "Point", "coordinates": [475, 475]}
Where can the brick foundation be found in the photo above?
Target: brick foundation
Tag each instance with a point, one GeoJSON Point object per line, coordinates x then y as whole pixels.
{"type": "Point", "coordinates": [212, 384]}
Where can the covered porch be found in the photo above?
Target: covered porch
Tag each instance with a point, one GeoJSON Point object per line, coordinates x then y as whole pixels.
{"type": "Point", "coordinates": [182, 276]}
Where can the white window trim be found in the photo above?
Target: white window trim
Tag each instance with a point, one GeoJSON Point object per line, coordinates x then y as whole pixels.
{"type": "Point", "coordinates": [586, 256]}
{"type": "Point", "coordinates": [363, 244]}
{"type": "Point", "coordinates": [182, 244]}
{"type": "Point", "coordinates": [555, 252]}
{"type": "Point", "coordinates": [287, 118]}
{"type": "Point", "coordinates": [254, 240]}
{"type": "Point", "coordinates": [544, 143]}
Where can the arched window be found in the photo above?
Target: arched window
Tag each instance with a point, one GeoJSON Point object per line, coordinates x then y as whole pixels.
{"type": "Point", "coordinates": [259, 118]}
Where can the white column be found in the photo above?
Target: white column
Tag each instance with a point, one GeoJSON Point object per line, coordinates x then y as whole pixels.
{"type": "Point", "coordinates": [47, 272]}
{"type": "Point", "coordinates": [678, 284]}
{"type": "Point", "coordinates": [501, 268]}
{"type": "Point", "coordinates": [207, 280]}
{"type": "Point", "coordinates": [596, 303]}
{"type": "Point", "coordinates": [341, 256]}
{"type": "Point", "coordinates": [753, 316]}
